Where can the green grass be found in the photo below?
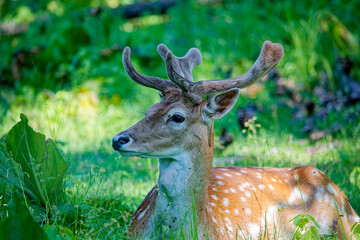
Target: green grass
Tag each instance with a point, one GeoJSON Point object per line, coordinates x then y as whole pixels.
{"type": "Point", "coordinates": [107, 188]}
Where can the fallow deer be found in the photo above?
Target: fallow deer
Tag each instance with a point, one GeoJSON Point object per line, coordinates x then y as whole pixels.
{"type": "Point", "coordinates": [193, 200]}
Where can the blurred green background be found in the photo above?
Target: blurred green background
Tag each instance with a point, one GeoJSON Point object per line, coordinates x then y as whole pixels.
{"type": "Point", "coordinates": [60, 65]}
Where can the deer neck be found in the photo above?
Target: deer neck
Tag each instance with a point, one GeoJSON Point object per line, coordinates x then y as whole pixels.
{"type": "Point", "coordinates": [183, 185]}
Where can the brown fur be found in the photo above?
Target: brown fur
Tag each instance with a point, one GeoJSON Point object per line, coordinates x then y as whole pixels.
{"type": "Point", "coordinates": [228, 183]}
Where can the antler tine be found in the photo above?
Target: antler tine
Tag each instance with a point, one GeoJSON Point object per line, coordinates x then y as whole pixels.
{"type": "Point", "coordinates": [152, 82]}
{"type": "Point", "coordinates": [270, 55]}
{"type": "Point", "coordinates": [183, 66]}
{"type": "Point", "coordinates": [179, 80]}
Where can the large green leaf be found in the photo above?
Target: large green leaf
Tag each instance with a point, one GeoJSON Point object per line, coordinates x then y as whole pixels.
{"type": "Point", "coordinates": [20, 225]}
{"type": "Point", "coordinates": [41, 163]}
{"type": "Point", "coordinates": [10, 171]}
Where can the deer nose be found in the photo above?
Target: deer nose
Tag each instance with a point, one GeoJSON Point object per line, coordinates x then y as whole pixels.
{"type": "Point", "coordinates": [119, 141]}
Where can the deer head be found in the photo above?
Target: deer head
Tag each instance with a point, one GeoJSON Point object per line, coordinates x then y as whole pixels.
{"type": "Point", "coordinates": [182, 120]}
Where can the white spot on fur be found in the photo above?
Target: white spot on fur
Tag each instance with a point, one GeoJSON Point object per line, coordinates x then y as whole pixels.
{"type": "Point", "coordinates": [208, 208]}
{"type": "Point", "coordinates": [229, 227]}
{"type": "Point", "coordinates": [239, 174]}
{"type": "Point", "coordinates": [261, 186]}
{"type": "Point", "coordinates": [233, 190]}
{"type": "Point", "coordinates": [285, 180]}
{"type": "Point", "coordinates": [273, 179]}
{"type": "Point", "coordinates": [141, 215]}
{"type": "Point", "coordinates": [236, 212]}
{"type": "Point", "coordinates": [228, 175]}
{"type": "Point", "coordinates": [227, 211]}
{"type": "Point", "coordinates": [248, 211]}
{"type": "Point", "coordinates": [344, 212]}
{"type": "Point", "coordinates": [280, 181]}
{"type": "Point", "coordinates": [247, 194]}
{"type": "Point", "coordinates": [305, 197]}
{"type": "Point", "coordinates": [271, 213]}
{"type": "Point", "coordinates": [214, 220]}
{"type": "Point", "coordinates": [243, 199]}
{"type": "Point", "coordinates": [220, 182]}
{"type": "Point", "coordinates": [254, 230]}
{"type": "Point", "coordinates": [242, 187]}
{"type": "Point", "coordinates": [219, 177]}
{"type": "Point", "coordinates": [296, 177]}
{"type": "Point", "coordinates": [354, 218]}
{"type": "Point", "coordinates": [226, 191]}
{"type": "Point", "coordinates": [326, 197]}
{"type": "Point", "coordinates": [295, 195]}
{"type": "Point", "coordinates": [318, 196]}
{"type": "Point", "coordinates": [331, 189]}
{"type": "Point", "coordinates": [226, 202]}
{"type": "Point", "coordinates": [214, 197]}
{"type": "Point", "coordinates": [243, 171]}
{"type": "Point", "coordinates": [332, 203]}
{"type": "Point", "coordinates": [271, 187]}
{"type": "Point", "coordinates": [213, 204]}
{"type": "Point", "coordinates": [259, 169]}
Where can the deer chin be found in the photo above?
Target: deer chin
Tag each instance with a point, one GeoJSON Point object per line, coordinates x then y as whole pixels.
{"type": "Point", "coordinates": [126, 153]}
{"type": "Point", "coordinates": [133, 153]}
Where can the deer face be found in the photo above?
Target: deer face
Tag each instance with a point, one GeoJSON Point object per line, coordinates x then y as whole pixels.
{"type": "Point", "coordinates": [163, 131]}
{"type": "Point", "coordinates": [173, 126]}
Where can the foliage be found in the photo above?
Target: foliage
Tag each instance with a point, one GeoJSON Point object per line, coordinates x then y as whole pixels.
{"type": "Point", "coordinates": [20, 224]}
{"type": "Point", "coordinates": [33, 165]}
{"type": "Point", "coordinates": [355, 230]}
{"type": "Point", "coordinates": [302, 231]}
{"type": "Point", "coordinates": [59, 233]}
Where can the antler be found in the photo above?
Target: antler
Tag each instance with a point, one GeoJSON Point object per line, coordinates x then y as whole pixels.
{"type": "Point", "coordinates": [270, 55]}
{"type": "Point", "coordinates": [153, 82]}
{"type": "Point", "coordinates": [182, 66]}
{"type": "Point", "coordinates": [179, 71]}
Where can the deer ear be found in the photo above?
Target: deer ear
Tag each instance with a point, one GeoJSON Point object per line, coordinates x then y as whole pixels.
{"type": "Point", "coordinates": [220, 104]}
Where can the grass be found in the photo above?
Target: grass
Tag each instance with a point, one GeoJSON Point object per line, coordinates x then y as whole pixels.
{"type": "Point", "coordinates": [81, 98]}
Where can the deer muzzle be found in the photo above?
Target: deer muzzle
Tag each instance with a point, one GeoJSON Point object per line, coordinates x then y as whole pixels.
{"type": "Point", "coordinates": [119, 141]}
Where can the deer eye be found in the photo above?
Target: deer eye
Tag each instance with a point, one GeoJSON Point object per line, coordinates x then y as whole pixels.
{"type": "Point", "coordinates": [177, 118]}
